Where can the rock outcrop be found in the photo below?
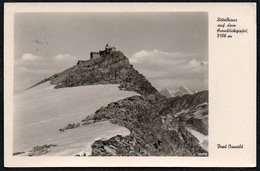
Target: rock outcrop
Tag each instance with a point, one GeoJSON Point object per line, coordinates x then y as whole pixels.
{"type": "Point", "coordinates": [41, 150]}
{"type": "Point", "coordinates": [152, 134]}
{"type": "Point", "coordinates": [70, 126]}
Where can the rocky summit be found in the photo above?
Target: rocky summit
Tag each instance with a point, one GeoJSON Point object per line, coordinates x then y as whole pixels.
{"type": "Point", "coordinates": [113, 68]}
{"type": "Point", "coordinates": [158, 126]}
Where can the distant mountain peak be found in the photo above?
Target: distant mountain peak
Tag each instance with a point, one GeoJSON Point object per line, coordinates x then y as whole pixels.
{"type": "Point", "coordinates": [183, 88]}
{"type": "Point", "coordinates": [177, 92]}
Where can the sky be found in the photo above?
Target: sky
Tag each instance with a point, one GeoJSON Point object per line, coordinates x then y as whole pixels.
{"type": "Point", "coordinates": [169, 49]}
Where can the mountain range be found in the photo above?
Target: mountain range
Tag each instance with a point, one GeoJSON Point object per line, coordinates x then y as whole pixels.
{"type": "Point", "coordinates": [177, 92]}
{"type": "Point", "coordinates": [158, 126]}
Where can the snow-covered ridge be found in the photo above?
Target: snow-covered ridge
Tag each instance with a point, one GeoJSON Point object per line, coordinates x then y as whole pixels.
{"type": "Point", "coordinates": [40, 112]}
{"type": "Point", "coordinates": [177, 92]}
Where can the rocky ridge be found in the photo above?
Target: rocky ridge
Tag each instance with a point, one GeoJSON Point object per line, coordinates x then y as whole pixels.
{"type": "Point", "coordinates": [157, 127]}
{"type": "Point", "coordinates": [191, 110]}
{"type": "Point", "coordinates": [152, 134]}
{"type": "Point", "coordinates": [113, 68]}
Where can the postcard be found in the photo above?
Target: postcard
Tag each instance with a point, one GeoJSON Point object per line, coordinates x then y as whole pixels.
{"type": "Point", "coordinates": [130, 84]}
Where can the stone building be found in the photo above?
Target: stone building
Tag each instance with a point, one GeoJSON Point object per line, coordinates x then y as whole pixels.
{"type": "Point", "coordinates": [108, 50]}
{"type": "Point", "coordinates": [94, 55]}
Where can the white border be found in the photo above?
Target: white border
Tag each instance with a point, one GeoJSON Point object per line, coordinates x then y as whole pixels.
{"type": "Point", "coordinates": [232, 87]}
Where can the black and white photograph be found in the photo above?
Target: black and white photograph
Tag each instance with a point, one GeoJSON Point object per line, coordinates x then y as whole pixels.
{"type": "Point", "coordinates": [129, 85]}
{"type": "Point", "coordinates": [111, 84]}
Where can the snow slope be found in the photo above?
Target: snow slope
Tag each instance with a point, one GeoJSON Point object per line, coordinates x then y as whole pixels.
{"type": "Point", "coordinates": [40, 112]}
{"type": "Point", "coordinates": [203, 139]}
